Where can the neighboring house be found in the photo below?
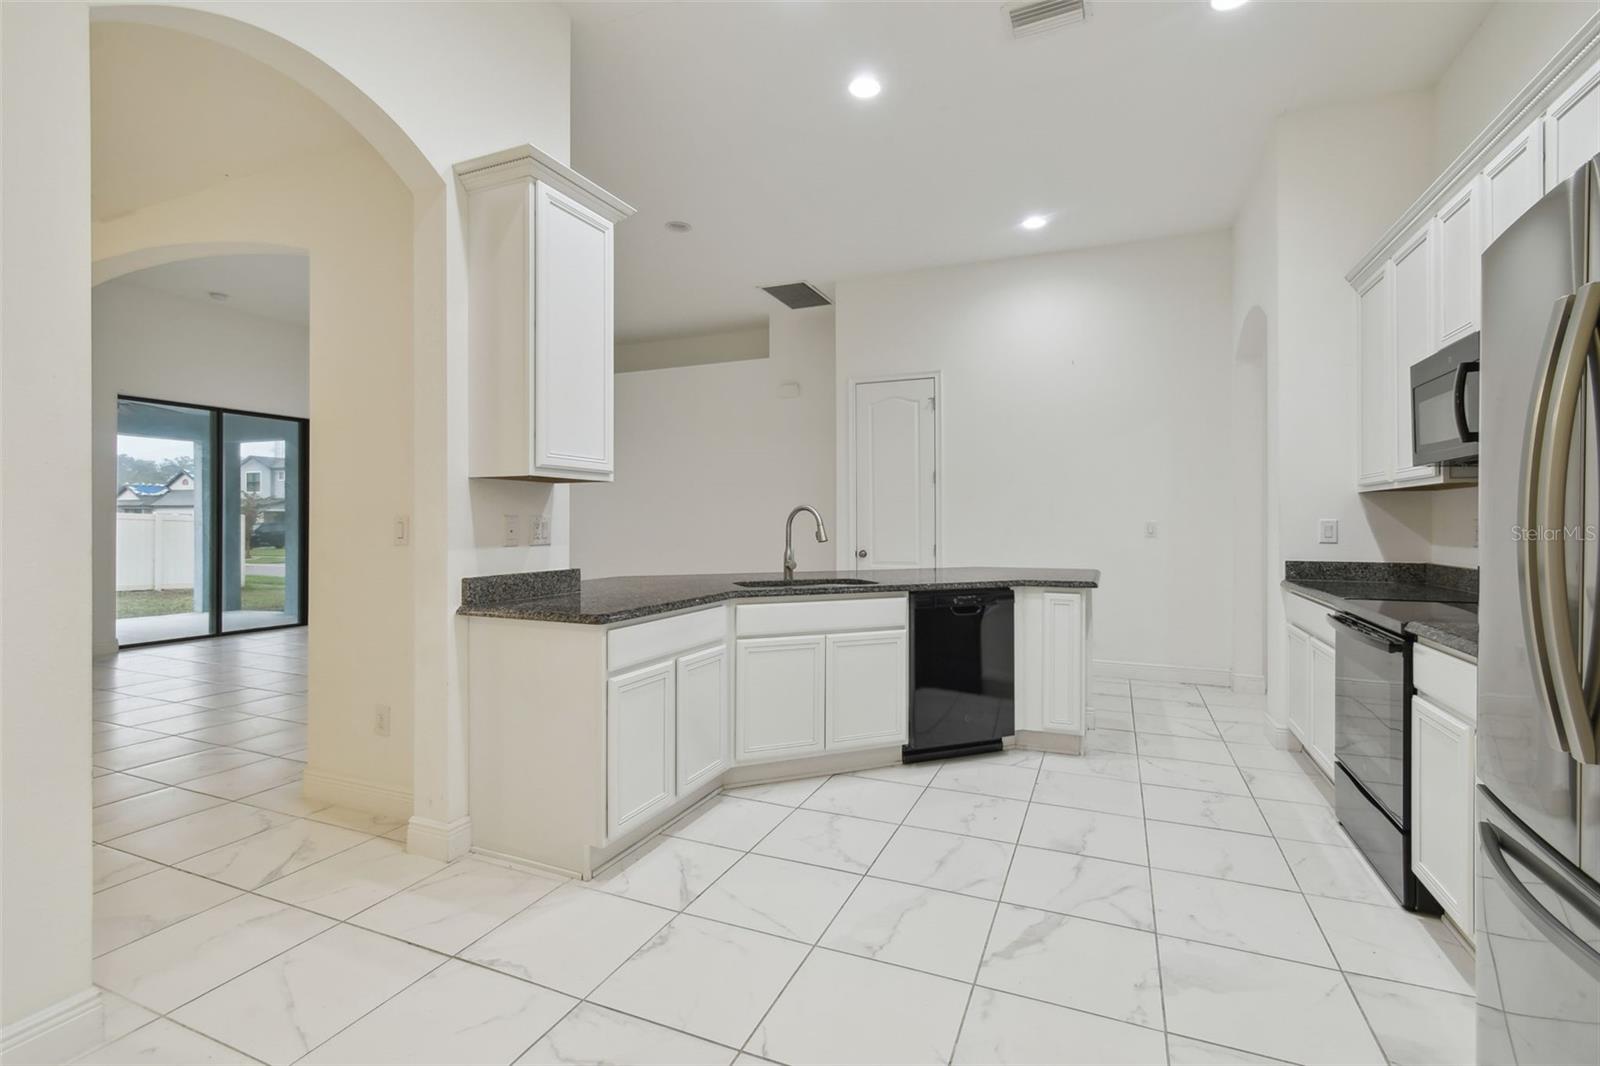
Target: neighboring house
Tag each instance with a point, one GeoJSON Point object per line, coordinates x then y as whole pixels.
{"type": "Point", "coordinates": [143, 498]}
{"type": "Point", "coordinates": [265, 478]}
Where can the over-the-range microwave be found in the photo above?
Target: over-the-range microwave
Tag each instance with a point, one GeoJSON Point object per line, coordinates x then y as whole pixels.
{"type": "Point", "coordinates": [1444, 404]}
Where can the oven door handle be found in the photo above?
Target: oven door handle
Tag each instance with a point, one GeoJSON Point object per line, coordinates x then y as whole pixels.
{"type": "Point", "coordinates": [1376, 637]}
{"type": "Point", "coordinates": [1463, 430]}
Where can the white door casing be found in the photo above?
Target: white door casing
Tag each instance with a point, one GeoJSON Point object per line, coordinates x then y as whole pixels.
{"type": "Point", "coordinates": [894, 445]}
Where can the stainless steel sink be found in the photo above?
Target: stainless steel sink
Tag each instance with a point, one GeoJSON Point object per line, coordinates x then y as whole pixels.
{"type": "Point", "coordinates": [796, 582]}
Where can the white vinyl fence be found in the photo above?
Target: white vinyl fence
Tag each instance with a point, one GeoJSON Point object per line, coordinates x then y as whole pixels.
{"type": "Point", "coordinates": [155, 551]}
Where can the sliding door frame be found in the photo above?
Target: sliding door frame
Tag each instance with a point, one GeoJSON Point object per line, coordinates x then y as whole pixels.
{"type": "Point", "coordinates": [215, 518]}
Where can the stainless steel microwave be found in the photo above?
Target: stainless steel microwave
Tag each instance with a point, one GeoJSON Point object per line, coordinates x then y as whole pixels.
{"type": "Point", "coordinates": [1444, 404]}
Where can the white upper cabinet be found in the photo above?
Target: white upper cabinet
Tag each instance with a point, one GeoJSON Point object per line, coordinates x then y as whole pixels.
{"type": "Point", "coordinates": [1515, 180]}
{"type": "Point", "coordinates": [1460, 236]}
{"type": "Point", "coordinates": [1415, 331]}
{"type": "Point", "coordinates": [539, 278]}
{"type": "Point", "coordinates": [1376, 385]}
{"type": "Point", "coordinates": [1572, 128]}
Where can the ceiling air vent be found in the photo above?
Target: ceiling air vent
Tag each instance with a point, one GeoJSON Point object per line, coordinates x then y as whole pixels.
{"type": "Point", "coordinates": [796, 295]}
{"type": "Point", "coordinates": [1042, 16]}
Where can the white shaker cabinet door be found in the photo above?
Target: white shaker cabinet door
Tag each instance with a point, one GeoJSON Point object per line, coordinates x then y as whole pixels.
{"type": "Point", "coordinates": [1376, 386]}
{"type": "Point", "coordinates": [1515, 180]}
{"type": "Point", "coordinates": [1320, 697]}
{"type": "Point", "coordinates": [1065, 672]}
{"type": "Point", "coordinates": [1442, 761]}
{"type": "Point", "coordinates": [1460, 253]}
{"type": "Point", "coordinates": [867, 688]}
{"type": "Point", "coordinates": [702, 717]}
{"type": "Point", "coordinates": [1297, 664]}
{"type": "Point", "coordinates": [1416, 336]}
{"type": "Point", "coordinates": [1572, 129]}
{"type": "Point", "coordinates": [639, 744]}
{"type": "Point", "coordinates": [780, 697]}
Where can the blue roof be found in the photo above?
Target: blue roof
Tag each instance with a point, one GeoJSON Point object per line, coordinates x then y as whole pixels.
{"type": "Point", "coordinates": [148, 490]}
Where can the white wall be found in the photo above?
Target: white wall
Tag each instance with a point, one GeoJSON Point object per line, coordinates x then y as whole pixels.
{"type": "Point", "coordinates": [710, 460]}
{"type": "Point", "coordinates": [161, 346]}
{"type": "Point", "coordinates": [48, 1007]}
{"type": "Point", "coordinates": [1516, 39]}
{"type": "Point", "coordinates": [1083, 394]}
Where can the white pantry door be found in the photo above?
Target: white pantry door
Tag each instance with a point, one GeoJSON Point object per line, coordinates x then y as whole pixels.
{"type": "Point", "coordinates": [896, 483]}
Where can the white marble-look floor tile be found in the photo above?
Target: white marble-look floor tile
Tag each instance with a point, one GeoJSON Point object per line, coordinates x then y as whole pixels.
{"type": "Point", "coordinates": [1085, 887]}
{"type": "Point", "coordinates": [938, 932]}
{"type": "Point", "coordinates": [1286, 1010]}
{"type": "Point", "coordinates": [840, 1008]}
{"type": "Point", "coordinates": [1313, 823]}
{"type": "Point", "coordinates": [1104, 836]}
{"type": "Point", "coordinates": [1166, 690]}
{"type": "Point", "coordinates": [1218, 853]}
{"type": "Point", "coordinates": [1250, 732]}
{"type": "Point", "coordinates": [908, 773]}
{"type": "Point", "coordinates": [987, 779]}
{"type": "Point", "coordinates": [1387, 942]}
{"type": "Point", "coordinates": [361, 821]}
{"type": "Point", "coordinates": [110, 787]}
{"type": "Point", "coordinates": [139, 907]}
{"type": "Point", "coordinates": [1118, 717]}
{"type": "Point", "coordinates": [949, 861]}
{"type": "Point", "coordinates": [287, 799]}
{"type": "Point", "coordinates": [147, 752]}
{"type": "Point", "coordinates": [126, 816]}
{"type": "Point", "coordinates": [1418, 1026]}
{"type": "Point", "coordinates": [863, 797]}
{"type": "Point", "coordinates": [1042, 955]}
{"type": "Point", "coordinates": [184, 768]}
{"type": "Point", "coordinates": [729, 822]}
{"type": "Point", "coordinates": [289, 738]}
{"type": "Point", "coordinates": [969, 814]}
{"type": "Point", "coordinates": [171, 967]}
{"type": "Point", "coordinates": [1097, 738]}
{"type": "Point", "coordinates": [1186, 1051]}
{"type": "Point", "coordinates": [594, 1034]}
{"type": "Point", "coordinates": [1184, 726]}
{"type": "Point", "coordinates": [457, 905]}
{"type": "Point", "coordinates": [121, 1016]}
{"type": "Point", "coordinates": [183, 838]}
{"type": "Point", "coordinates": [1023, 758]}
{"type": "Point", "coordinates": [1330, 870]}
{"type": "Point", "coordinates": [289, 1004]}
{"type": "Point", "coordinates": [777, 896]}
{"type": "Point", "coordinates": [198, 724]}
{"type": "Point", "coordinates": [667, 871]}
{"type": "Point", "coordinates": [1149, 705]}
{"type": "Point", "coordinates": [1202, 777]}
{"type": "Point", "coordinates": [1212, 810]}
{"type": "Point", "coordinates": [789, 793]}
{"type": "Point", "coordinates": [836, 840]}
{"type": "Point", "coordinates": [1088, 793]}
{"type": "Point", "coordinates": [459, 1013]}
{"type": "Point", "coordinates": [570, 940]}
{"type": "Point", "coordinates": [1001, 1028]}
{"type": "Point", "coordinates": [277, 852]}
{"type": "Point", "coordinates": [1189, 748]}
{"type": "Point", "coordinates": [113, 867]}
{"type": "Point", "coordinates": [352, 880]}
{"type": "Point", "coordinates": [1254, 757]}
{"type": "Point", "coordinates": [1236, 915]}
{"type": "Point", "coordinates": [164, 1042]}
{"type": "Point", "coordinates": [1110, 765]}
{"type": "Point", "coordinates": [247, 780]}
{"type": "Point", "coordinates": [1292, 786]}
{"type": "Point", "coordinates": [109, 736]}
{"type": "Point", "coordinates": [703, 977]}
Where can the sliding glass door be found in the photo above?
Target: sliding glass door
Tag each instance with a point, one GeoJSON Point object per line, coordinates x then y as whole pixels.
{"type": "Point", "coordinates": [211, 521]}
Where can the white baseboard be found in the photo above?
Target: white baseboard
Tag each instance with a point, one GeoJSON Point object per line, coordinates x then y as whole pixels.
{"type": "Point", "coordinates": [444, 841]}
{"type": "Point", "coordinates": [59, 1033]}
{"type": "Point", "coordinates": [348, 791]}
{"type": "Point", "coordinates": [1060, 743]}
{"type": "Point", "coordinates": [1250, 684]}
{"type": "Point", "coordinates": [1182, 675]}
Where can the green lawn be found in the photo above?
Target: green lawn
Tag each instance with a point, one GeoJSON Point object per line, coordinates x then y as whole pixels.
{"type": "Point", "coordinates": [264, 555]}
{"type": "Point", "coordinates": [260, 594]}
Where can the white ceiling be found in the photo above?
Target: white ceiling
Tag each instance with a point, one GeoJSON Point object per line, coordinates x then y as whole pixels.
{"type": "Point", "coordinates": [172, 114]}
{"type": "Point", "coordinates": [1147, 119]}
{"type": "Point", "coordinates": [272, 286]}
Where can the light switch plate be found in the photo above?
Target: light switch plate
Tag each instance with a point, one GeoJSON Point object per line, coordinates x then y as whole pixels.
{"type": "Point", "coordinates": [1150, 529]}
{"type": "Point", "coordinates": [1328, 531]}
{"type": "Point", "coordinates": [540, 536]}
{"type": "Point", "coordinates": [512, 530]}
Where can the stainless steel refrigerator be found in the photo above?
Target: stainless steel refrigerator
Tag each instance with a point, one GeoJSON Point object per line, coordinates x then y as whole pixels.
{"type": "Point", "coordinates": [1537, 890]}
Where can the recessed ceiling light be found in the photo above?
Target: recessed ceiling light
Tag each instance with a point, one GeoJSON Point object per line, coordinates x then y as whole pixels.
{"type": "Point", "coordinates": [1227, 5]}
{"type": "Point", "coordinates": [220, 297]}
{"type": "Point", "coordinates": [677, 225]}
{"type": "Point", "coordinates": [1035, 222]}
{"type": "Point", "coordinates": [864, 87]}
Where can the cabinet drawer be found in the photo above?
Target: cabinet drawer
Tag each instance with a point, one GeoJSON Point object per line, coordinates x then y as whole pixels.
{"type": "Point", "coordinates": [1308, 615]}
{"type": "Point", "coordinates": [819, 616]}
{"type": "Point", "coordinates": [664, 637]}
{"type": "Point", "coordinates": [1449, 682]}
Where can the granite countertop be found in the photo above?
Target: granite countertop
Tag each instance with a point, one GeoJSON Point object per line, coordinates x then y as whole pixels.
{"type": "Point", "coordinates": [562, 596]}
{"type": "Point", "coordinates": [1331, 584]}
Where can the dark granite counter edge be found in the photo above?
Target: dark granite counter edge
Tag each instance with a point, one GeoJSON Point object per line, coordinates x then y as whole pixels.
{"type": "Point", "coordinates": [510, 588]}
{"type": "Point", "coordinates": [1444, 639]}
{"type": "Point", "coordinates": [553, 609]}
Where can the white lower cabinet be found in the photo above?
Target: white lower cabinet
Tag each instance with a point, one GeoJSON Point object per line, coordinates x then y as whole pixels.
{"type": "Point", "coordinates": [1310, 694]}
{"type": "Point", "coordinates": [702, 716]}
{"type": "Point", "coordinates": [780, 697]}
{"type": "Point", "coordinates": [867, 686]}
{"type": "Point", "coordinates": [1064, 673]}
{"type": "Point", "coordinates": [640, 728]}
{"type": "Point", "coordinates": [1443, 772]}
{"type": "Point", "coordinates": [1323, 705]}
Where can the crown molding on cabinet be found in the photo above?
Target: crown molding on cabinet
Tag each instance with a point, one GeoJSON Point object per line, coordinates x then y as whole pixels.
{"type": "Point", "coordinates": [1513, 119]}
{"type": "Point", "coordinates": [526, 162]}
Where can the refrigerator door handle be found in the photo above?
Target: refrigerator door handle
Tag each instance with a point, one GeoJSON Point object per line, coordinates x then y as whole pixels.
{"type": "Point", "coordinates": [1573, 946]}
{"type": "Point", "coordinates": [1528, 513]}
{"type": "Point", "coordinates": [1566, 396]}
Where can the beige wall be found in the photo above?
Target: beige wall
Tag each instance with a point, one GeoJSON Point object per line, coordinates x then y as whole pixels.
{"type": "Point", "coordinates": [45, 874]}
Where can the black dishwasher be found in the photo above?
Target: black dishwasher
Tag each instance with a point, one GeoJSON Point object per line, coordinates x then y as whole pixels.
{"type": "Point", "coordinates": [963, 673]}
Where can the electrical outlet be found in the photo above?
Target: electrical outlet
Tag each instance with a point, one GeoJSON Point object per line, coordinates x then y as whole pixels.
{"type": "Point", "coordinates": [1328, 531]}
{"type": "Point", "coordinates": [512, 530]}
{"type": "Point", "coordinates": [380, 720]}
{"type": "Point", "coordinates": [540, 535]}
{"type": "Point", "coordinates": [402, 531]}
{"type": "Point", "coordinates": [1150, 529]}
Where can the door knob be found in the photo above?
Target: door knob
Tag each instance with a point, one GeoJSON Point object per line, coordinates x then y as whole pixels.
{"type": "Point", "coordinates": [861, 553]}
